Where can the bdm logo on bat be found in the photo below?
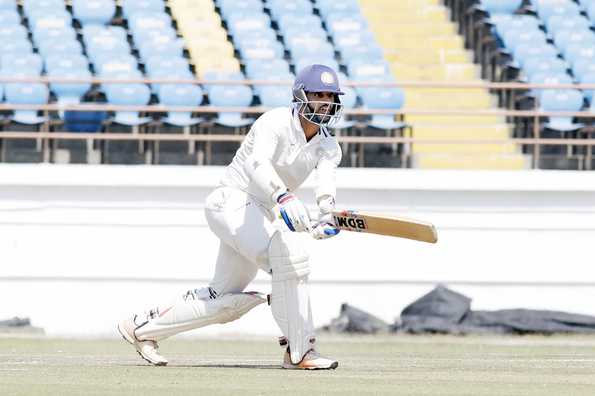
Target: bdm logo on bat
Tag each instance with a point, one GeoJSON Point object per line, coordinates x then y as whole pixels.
{"type": "Point", "coordinates": [351, 222]}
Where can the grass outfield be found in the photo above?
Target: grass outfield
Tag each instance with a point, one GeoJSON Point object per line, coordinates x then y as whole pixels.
{"type": "Point", "coordinates": [395, 365]}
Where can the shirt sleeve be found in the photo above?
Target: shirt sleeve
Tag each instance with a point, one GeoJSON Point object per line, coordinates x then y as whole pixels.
{"type": "Point", "coordinates": [258, 165]}
{"type": "Point", "coordinates": [326, 169]}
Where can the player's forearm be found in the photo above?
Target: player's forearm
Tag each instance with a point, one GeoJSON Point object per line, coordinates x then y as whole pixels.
{"type": "Point", "coordinates": [264, 176]}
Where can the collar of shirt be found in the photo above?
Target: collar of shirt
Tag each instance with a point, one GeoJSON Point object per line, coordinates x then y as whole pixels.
{"type": "Point", "coordinates": [299, 131]}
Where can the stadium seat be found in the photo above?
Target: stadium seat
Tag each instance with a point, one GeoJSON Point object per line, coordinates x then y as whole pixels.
{"type": "Point", "coordinates": [16, 47]}
{"type": "Point", "coordinates": [589, 78]}
{"type": "Point", "coordinates": [169, 74]}
{"type": "Point", "coordinates": [180, 95]}
{"type": "Point", "coordinates": [17, 62]}
{"type": "Point", "coordinates": [499, 6]}
{"type": "Point", "coordinates": [128, 94]}
{"type": "Point", "coordinates": [26, 93]}
{"type": "Point", "coordinates": [583, 67]}
{"type": "Point", "coordinates": [231, 96]}
{"type": "Point", "coordinates": [562, 22]}
{"type": "Point", "coordinates": [561, 100]}
{"type": "Point", "coordinates": [275, 96]}
{"type": "Point", "coordinates": [12, 32]}
{"type": "Point", "coordinates": [73, 61]}
{"type": "Point", "coordinates": [349, 100]}
{"type": "Point", "coordinates": [9, 5]}
{"type": "Point", "coordinates": [548, 78]}
{"type": "Point", "coordinates": [535, 65]}
{"type": "Point", "coordinates": [259, 68]}
{"type": "Point", "coordinates": [131, 7]}
{"type": "Point", "coordinates": [296, 9]}
{"type": "Point", "coordinates": [67, 47]}
{"type": "Point", "coordinates": [69, 93]}
{"type": "Point", "coordinates": [9, 17]}
{"type": "Point", "coordinates": [548, 8]}
{"type": "Point", "coordinates": [213, 76]}
{"type": "Point", "coordinates": [98, 12]}
{"type": "Point", "coordinates": [384, 98]}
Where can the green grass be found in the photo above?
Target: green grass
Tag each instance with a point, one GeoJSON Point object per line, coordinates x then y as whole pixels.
{"type": "Point", "coordinates": [395, 365]}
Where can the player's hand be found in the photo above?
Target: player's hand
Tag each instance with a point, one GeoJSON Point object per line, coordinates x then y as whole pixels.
{"type": "Point", "coordinates": [325, 225]}
{"type": "Point", "coordinates": [294, 213]}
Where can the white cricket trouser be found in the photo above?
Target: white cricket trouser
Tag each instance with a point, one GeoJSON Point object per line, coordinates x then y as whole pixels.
{"type": "Point", "coordinates": [245, 229]}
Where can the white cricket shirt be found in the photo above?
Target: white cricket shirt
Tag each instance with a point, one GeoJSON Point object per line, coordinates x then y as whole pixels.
{"type": "Point", "coordinates": [277, 137]}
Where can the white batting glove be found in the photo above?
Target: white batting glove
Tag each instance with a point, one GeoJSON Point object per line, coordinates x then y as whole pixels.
{"type": "Point", "coordinates": [294, 213]}
{"type": "Point", "coordinates": [325, 225]}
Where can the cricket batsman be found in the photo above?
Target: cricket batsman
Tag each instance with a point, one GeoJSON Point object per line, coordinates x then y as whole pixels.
{"type": "Point", "coordinates": [280, 151]}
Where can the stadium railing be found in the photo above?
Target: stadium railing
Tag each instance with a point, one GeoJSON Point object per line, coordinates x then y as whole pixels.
{"type": "Point", "coordinates": [535, 116]}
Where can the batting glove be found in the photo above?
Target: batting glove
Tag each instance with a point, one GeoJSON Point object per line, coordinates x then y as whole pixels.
{"type": "Point", "coordinates": [294, 213]}
{"type": "Point", "coordinates": [325, 225]}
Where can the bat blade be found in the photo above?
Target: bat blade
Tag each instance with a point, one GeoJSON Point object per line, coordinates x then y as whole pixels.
{"type": "Point", "coordinates": [401, 227]}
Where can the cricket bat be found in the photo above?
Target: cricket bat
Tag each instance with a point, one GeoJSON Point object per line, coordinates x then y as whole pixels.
{"type": "Point", "coordinates": [401, 227]}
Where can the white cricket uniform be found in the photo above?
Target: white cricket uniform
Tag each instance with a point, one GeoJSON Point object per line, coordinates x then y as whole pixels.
{"type": "Point", "coordinates": [240, 213]}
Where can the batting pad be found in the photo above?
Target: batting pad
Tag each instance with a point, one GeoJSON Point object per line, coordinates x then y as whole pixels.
{"type": "Point", "coordinates": [196, 308]}
{"type": "Point", "coordinates": [290, 299]}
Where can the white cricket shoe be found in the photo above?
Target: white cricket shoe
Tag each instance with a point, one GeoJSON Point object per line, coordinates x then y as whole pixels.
{"type": "Point", "coordinates": [146, 349]}
{"type": "Point", "coordinates": [311, 361]}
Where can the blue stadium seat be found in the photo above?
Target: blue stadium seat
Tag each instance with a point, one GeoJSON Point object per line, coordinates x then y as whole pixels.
{"type": "Point", "coordinates": [116, 64]}
{"type": "Point", "coordinates": [560, 22]}
{"type": "Point", "coordinates": [499, 6]}
{"type": "Point", "coordinates": [155, 63]}
{"type": "Point", "coordinates": [20, 46]}
{"type": "Point", "coordinates": [323, 49]}
{"type": "Point", "coordinates": [384, 98]}
{"type": "Point", "coordinates": [169, 74]}
{"type": "Point", "coordinates": [240, 7]}
{"type": "Point", "coordinates": [548, 78]}
{"type": "Point", "coordinates": [589, 78]}
{"type": "Point", "coordinates": [131, 7]}
{"type": "Point", "coordinates": [328, 7]}
{"type": "Point", "coordinates": [564, 38]}
{"type": "Point", "coordinates": [591, 11]}
{"type": "Point", "coordinates": [300, 63]}
{"type": "Point", "coordinates": [21, 61]}
{"type": "Point", "coordinates": [275, 96]}
{"type": "Point", "coordinates": [98, 12]}
{"type": "Point", "coordinates": [562, 100]}
{"type": "Point", "coordinates": [371, 51]}
{"type": "Point", "coordinates": [583, 67]}
{"type": "Point", "coordinates": [73, 61]}
{"type": "Point", "coordinates": [84, 121]}
{"type": "Point", "coordinates": [296, 8]}
{"type": "Point", "coordinates": [161, 46]}
{"type": "Point", "coordinates": [340, 24]}
{"type": "Point", "coordinates": [51, 47]}
{"type": "Point", "coordinates": [577, 51]}
{"type": "Point", "coordinates": [303, 24]}
{"type": "Point", "coordinates": [512, 38]}
{"type": "Point", "coordinates": [12, 32]}
{"type": "Point", "coordinates": [537, 65]}
{"type": "Point", "coordinates": [69, 93]}
{"type": "Point", "coordinates": [545, 8]}
{"type": "Point", "coordinates": [45, 37]}
{"type": "Point", "coordinates": [9, 17]}
{"type": "Point", "coordinates": [231, 96]}
{"type": "Point", "coordinates": [128, 94]}
{"type": "Point", "coordinates": [278, 77]}
{"type": "Point", "coordinates": [238, 24]}
{"type": "Point", "coordinates": [363, 69]}
{"type": "Point", "coordinates": [94, 32]}
{"type": "Point", "coordinates": [212, 77]}
{"type": "Point", "coordinates": [10, 5]}
{"type": "Point", "coordinates": [528, 51]}
{"type": "Point", "coordinates": [26, 93]}
{"type": "Point", "coordinates": [180, 95]}
{"type": "Point", "coordinates": [259, 68]}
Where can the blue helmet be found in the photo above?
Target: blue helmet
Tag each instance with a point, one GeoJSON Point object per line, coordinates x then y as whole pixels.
{"type": "Point", "coordinates": [317, 78]}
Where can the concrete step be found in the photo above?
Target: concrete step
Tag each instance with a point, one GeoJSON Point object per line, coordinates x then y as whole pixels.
{"type": "Point", "coordinates": [506, 148]}
{"type": "Point", "coordinates": [471, 161]}
{"type": "Point", "coordinates": [498, 131]}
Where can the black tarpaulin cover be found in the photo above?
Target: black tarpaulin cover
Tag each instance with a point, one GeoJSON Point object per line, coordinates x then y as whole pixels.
{"type": "Point", "coordinates": [448, 312]}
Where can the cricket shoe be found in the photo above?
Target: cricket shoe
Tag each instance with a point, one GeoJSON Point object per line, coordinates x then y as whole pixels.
{"type": "Point", "coordinates": [146, 349]}
{"type": "Point", "coordinates": [311, 361]}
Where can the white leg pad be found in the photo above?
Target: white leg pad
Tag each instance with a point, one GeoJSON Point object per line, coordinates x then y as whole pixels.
{"type": "Point", "coordinates": [290, 297]}
{"type": "Point", "coordinates": [196, 308]}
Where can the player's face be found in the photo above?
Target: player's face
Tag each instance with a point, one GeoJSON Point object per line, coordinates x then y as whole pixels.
{"type": "Point", "coordinates": [321, 101]}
